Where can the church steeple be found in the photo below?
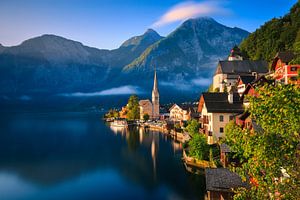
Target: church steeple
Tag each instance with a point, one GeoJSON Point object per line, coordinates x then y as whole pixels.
{"type": "Point", "coordinates": [155, 97]}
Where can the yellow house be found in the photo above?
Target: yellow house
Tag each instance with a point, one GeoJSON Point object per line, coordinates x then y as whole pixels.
{"type": "Point", "coordinates": [182, 112]}
{"type": "Point", "coordinates": [217, 109]}
{"type": "Point", "coordinates": [145, 108]}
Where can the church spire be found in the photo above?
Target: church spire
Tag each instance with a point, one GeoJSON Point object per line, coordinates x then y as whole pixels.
{"type": "Point", "coordinates": [155, 98]}
{"type": "Point", "coordinates": [155, 82]}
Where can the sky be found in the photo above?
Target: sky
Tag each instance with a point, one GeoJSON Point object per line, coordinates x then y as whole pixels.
{"type": "Point", "coordinates": [106, 24]}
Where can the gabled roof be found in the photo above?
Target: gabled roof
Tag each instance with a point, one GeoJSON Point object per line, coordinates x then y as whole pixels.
{"type": "Point", "coordinates": [144, 102]}
{"type": "Point", "coordinates": [259, 81]}
{"type": "Point", "coordinates": [242, 67]}
{"type": "Point", "coordinates": [284, 56]}
{"type": "Point", "coordinates": [217, 102]}
{"type": "Point", "coordinates": [223, 180]}
{"type": "Point", "coordinates": [246, 79]}
{"type": "Point", "coordinates": [187, 107]}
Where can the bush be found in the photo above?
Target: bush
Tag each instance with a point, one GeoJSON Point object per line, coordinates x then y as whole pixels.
{"type": "Point", "coordinates": [199, 147]}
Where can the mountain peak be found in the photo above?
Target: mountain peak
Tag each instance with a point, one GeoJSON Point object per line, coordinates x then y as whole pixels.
{"type": "Point", "coordinates": [149, 37]}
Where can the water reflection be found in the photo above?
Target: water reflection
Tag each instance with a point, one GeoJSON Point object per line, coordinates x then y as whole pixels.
{"type": "Point", "coordinates": [43, 156]}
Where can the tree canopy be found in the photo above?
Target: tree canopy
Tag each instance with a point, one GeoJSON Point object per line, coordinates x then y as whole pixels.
{"type": "Point", "coordinates": [270, 154]}
{"type": "Point", "coordinates": [278, 34]}
{"type": "Point", "coordinates": [133, 108]}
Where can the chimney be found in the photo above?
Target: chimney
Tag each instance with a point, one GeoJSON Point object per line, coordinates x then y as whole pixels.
{"type": "Point", "coordinates": [230, 95]}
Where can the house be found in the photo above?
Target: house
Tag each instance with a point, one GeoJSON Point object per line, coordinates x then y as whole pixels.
{"type": "Point", "coordinates": [250, 89]}
{"type": "Point", "coordinates": [224, 154]}
{"type": "Point", "coordinates": [123, 112]}
{"type": "Point", "coordinates": [235, 54]}
{"type": "Point", "coordinates": [220, 183]}
{"type": "Point", "coordinates": [283, 71]}
{"type": "Point", "coordinates": [243, 81]}
{"type": "Point", "coordinates": [217, 109]}
{"type": "Point", "coordinates": [145, 108]}
{"type": "Point", "coordinates": [183, 112]}
{"type": "Point", "coordinates": [228, 71]}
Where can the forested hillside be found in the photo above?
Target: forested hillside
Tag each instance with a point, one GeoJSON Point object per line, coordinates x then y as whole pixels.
{"type": "Point", "coordinates": [278, 34]}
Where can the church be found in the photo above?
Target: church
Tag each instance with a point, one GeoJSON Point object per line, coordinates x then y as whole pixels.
{"type": "Point", "coordinates": [148, 107]}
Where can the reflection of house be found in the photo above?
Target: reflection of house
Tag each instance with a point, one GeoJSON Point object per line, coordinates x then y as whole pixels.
{"type": "Point", "coordinates": [228, 71]}
{"type": "Point", "coordinates": [217, 109]}
{"type": "Point", "coordinates": [220, 183]}
{"type": "Point", "coordinates": [183, 112]}
{"type": "Point", "coordinates": [283, 72]}
{"type": "Point", "coordinates": [145, 108]}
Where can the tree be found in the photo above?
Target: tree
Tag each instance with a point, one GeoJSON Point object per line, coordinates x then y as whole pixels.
{"type": "Point", "coordinates": [198, 147]}
{"type": "Point", "coordinates": [270, 157]}
{"type": "Point", "coordinates": [146, 117]}
{"type": "Point", "coordinates": [112, 113]}
{"type": "Point", "coordinates": [193, 127]}
{"type": "Point", "coordinates": [133, 108]}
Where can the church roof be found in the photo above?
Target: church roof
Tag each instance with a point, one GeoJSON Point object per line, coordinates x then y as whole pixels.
{"type": "Point", "coordinates": [242, 67]}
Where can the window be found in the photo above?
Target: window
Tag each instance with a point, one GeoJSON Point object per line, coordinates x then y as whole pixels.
{"type": "Point", "coordinates": [221, 130]}
{"type": "Point", "coordinates": [293, 69]}
{"type": "Point", "coordinates": [231, 117]}
{"type": "Point", "coordinates": [221, 118]}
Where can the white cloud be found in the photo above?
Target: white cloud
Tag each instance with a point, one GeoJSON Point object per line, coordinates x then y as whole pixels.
{"type": "Point", "coordinates": [127, 89]}
{"type": "Point", "coordinates": [190, 9]}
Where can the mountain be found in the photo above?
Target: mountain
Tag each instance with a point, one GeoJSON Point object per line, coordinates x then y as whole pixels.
{"type": "Point", "coordinates": [278, 34]}
{"type": "Point", "coordinates": [132, 48]}
{"type": "Point", "coordinates": [191, 48]}
{"type": "Point", "coordinates": [48, 66]}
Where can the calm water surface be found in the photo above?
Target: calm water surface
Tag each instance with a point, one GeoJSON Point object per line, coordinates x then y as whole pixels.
{"type": "Point", "coordinates": [76, 156]}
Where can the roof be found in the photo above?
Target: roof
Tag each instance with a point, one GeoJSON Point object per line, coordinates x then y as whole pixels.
{"type": "Point", "coordinates": [284, 56]}
{"type": "Point", "coordinates": [242, 66]}
{"type": "Point", "coordinates": [188, 107]}
{"type": "Point", "coordinates": [221, 179]}
{"type": "Point", "coordinates": [217, 102]}
{"type": "Point", "coordinates": [144, 102]}
{"type": "Point", "coordinates": [247, 78]}
{"type": "Point", "coordinates": [225, 148]}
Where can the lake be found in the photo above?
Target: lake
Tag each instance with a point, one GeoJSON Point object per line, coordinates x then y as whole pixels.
{"type": "Point", "coordinates": [62, 156]}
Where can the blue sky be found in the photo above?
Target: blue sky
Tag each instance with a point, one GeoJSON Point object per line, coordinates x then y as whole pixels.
{"type": "Point", "coordinates": [107, 23]}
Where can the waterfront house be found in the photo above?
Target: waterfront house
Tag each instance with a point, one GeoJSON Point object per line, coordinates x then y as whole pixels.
{"type": "Point", "coordinates": [220, 183]}
{"type": "Point", "coordinates": [145, 108]}
{"type": "Point", "coordinates": [217, 109]}
{"type": "Point", "coordinates": [183, 112]}
{"type": "Point", "coordinates": [229, 70]}
{"type": "Point", "coordinates": [283, 71]}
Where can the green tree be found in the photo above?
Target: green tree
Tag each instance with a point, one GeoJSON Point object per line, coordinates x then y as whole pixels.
{"type": "Point", "coordinates": [146, 117]}
{"type": "Point", "coordinates": [198, 147]}
{"type": "Point", "coordinates": [267, 151]}
{"type": "Point", "coordinates": [193, 127]}
{"type": "Point", "coordinates": [112, 113]}
{"type": "Point", "coordinates": [133, 108]}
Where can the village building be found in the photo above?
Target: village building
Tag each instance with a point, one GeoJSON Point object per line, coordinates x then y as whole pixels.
{"type": "Point", "coordinates": [228, 71]}
{"type": "Point", "coordinates": [283, 71]}
{"type": "Point", "coordinates": [243, 81]}
{"type": "Point", "coordinates": [217, 109]}
{"type": "Point", "coordinates": [182, 112]}
{"type": "Point", "coordinates": [221, 182]}
{"type": "Point", "coordinates": [123, 112]}
{"type": "Point", "coordinates": [148, 107]}
{"type": "Point", "coordinates": [145, 108]}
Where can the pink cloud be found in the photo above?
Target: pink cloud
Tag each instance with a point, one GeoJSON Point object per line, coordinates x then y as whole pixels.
{"type": "Point", "coordinates": [191, 9]}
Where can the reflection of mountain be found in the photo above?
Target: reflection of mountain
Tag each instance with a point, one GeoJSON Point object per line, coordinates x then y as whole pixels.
{"type": "Point", "coordinates": [47, 149]}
